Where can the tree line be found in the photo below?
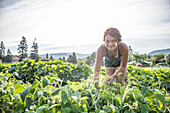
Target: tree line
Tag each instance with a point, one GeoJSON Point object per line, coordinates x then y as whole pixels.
{"type": "Point", "coordinates": [22, 51]}
{"type": "Point", "coordinates": [144, 59]}
{"type": "Point", "coordinates": [149, 60]}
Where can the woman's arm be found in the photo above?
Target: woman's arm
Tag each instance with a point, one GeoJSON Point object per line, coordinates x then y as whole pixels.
{"type": "Point", "coordinates": [99, 56]}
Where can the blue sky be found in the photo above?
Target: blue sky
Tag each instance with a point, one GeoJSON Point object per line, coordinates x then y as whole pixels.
{"type": "Point", "coordinates": [78, 25]}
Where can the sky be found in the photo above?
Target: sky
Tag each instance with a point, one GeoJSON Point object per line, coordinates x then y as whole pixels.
{"type": "Point", "coordinates": [78, 25]}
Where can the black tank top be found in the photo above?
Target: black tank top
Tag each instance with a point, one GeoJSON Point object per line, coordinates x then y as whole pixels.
{"type": "Point", "coordinates": [110, 61]}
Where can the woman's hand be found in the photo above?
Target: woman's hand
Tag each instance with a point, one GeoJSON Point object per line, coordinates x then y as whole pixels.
{"type": "Point", "coordinates": [110, 79]}
{"type": "Point", "coordinates": [96, 77]}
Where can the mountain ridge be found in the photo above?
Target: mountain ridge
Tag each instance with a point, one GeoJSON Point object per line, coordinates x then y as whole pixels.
{"type": "Point", "coordinates": [66, 55]}
{"type": "Point", "coordinates": [163, 51]}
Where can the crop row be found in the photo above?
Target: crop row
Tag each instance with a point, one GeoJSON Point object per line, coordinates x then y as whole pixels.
{"type": "Point", "coordinates": [44, 89]}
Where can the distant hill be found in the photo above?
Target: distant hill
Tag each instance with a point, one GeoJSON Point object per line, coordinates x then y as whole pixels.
{"type": "Point", "coordinates": [163, 51]}
{"type": "Point", "coordinates": [66, 55]}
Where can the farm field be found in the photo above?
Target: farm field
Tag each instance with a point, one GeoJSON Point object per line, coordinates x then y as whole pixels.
{"type": "Point", "coordinates": [58, 87]}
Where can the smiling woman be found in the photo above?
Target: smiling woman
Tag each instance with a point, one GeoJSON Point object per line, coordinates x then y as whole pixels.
{"type": "Point", "coordinates": [116, 57]}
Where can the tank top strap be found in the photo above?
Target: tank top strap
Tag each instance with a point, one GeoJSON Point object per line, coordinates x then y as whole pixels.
{"type": "Point", "coordinates": [118, 50]}
{"type": "Point", "coordinates": [107, 54]}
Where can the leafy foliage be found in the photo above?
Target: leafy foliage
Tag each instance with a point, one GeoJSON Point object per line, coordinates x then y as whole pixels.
{"type": "Point", "coordinates": [145, 91]}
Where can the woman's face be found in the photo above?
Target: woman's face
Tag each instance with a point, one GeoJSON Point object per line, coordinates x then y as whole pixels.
{"type": "Point", "coordinates": [110, 42]}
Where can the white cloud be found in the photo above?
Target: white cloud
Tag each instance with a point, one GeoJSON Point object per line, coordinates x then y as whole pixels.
{"type": "Point", "coordinates": [79, 22]}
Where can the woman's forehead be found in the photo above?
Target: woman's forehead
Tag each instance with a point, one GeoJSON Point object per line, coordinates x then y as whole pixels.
{"type": "Point", "coordinates": [108, 37]}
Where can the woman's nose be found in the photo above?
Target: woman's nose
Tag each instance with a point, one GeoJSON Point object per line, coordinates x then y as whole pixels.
{"type": "Point", "coordinates": [110, 43]}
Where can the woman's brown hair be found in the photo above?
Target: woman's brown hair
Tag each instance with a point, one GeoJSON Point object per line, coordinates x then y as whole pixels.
{"type": "Point", "coordinates": [114, 33]}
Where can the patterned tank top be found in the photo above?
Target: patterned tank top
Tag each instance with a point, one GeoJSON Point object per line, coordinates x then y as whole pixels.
{"type": "Point", "coordinates": [110, 61]}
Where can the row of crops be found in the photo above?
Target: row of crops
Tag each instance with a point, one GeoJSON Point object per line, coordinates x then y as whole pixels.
{"type": "Point", "coordinates": [58, 87]}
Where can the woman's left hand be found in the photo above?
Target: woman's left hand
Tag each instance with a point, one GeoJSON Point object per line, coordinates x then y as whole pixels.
{"type": "Point", "coordinates": [110, 79]}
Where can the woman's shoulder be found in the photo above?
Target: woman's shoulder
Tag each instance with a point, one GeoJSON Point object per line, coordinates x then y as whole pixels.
{"type": "Point", "coordinates": [123, 47]}
{"type": "Point", "coordinates": [101, 50]}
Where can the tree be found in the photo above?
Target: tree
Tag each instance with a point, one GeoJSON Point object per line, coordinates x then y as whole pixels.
{"type": "Point", "coordinates": [130, 53]}
{"type": "Point", "coordinates": [167, 58]}
{"type": "Point", "coordinates": [138, 58]}
{"type": "Point", "coordinates": [9, 52]}
{"type": "Point", "coordinates": [88, 60]}
{"type": "Point", "coordinates": [9, 56]}
{"type": "Point", "coordinates": [51, 57]}
{"type": "Point", "coordinates": [2, 50]}
{"type": "Point", "coordinates": [22, 49]}
{"type": "Point", "coordinates": [34, 52]}
{"type": "Point", "coordinates": [46, 56]}
{"type": "Point", "coordinates": [72, 58]}
{"type": "Point", "coordinates": [64, 59]}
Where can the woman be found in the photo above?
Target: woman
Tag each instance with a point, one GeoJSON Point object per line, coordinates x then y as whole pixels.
{"type": "Point", "coordinates": [116, 57]}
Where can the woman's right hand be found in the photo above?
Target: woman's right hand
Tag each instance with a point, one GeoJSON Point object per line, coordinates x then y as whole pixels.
{"type": "Point", "coordinates": [110, 80]}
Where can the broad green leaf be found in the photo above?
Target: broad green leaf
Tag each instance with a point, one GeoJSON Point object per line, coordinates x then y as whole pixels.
{"type": "Point", "coordinates": [84, 98]}
{"type": "Point", "coordinates": [118, 84]}
{"type": "Point", "coordinates": [55, 92]}
{"type": "Point", "coordinates": [144, 108]}
{"type": "Point", "coordinates": [11, 69]}
{"type": "Point", "coordinates": [132, 77]}
{"type": "Point", "coordinates": [114, 109]}
{"type": "Point", "coordinates": [158, 91]}
{"type": "Point", "coordinates": [67, 110]}
{"type": "Point", "coordinates": [45, 94]}
{"type": "Point", "coordinates": [64, 97]}
{"type": "Point", "coordinates": [122, 90]}
{"type": "Point", "coordinates": [78, 94]}
{"type": "Point", "coordinates": [161, 98]}
{"type": "Point", "coordinates": [106, 95]}
{"type": "Point", "coordinates": [118, 100]}
{"type": "Point", "coordinates": [28, 102]}
{"type": "Point", "coordinates": [144, 90]}
{"type": "Point", "coordinates": [70, 92]}
{"type": "Point", "coordinates": [45, 82]}
{"type": "Point", "coordinates": [33, 89]}
{"type": "Point", "coordinates": [159, 105]}
{"type": "Point", "coordinates": [39, 110]}
{"type": "Point", "coordinates": [18, 89]}
{"type": "Point", "coordinates": [24, 94]}
{"type": "Point", "coordinates": [8, 75]}
{"type": "Point", "coordinates": [85, 107]}
{"type": "Point", "coordinates": [167, 85]}
{"type": "Point", "coordinates": [54, 106]}
{"type": "Point", "coordinates": [3, 78]}
{"type": "Point", "coordinates": [74, 87]}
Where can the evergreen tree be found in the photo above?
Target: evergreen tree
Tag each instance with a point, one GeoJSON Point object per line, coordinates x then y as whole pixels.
{"type": "Point", "coordinates": [130, 53]}
{"type": "Point", "coordinates": [2, 50]}
{"type": "Point", "coordinates": [74, 58]}
{"type": "Point", "coordinates": [9, 56]}
{"type": "Point", "coordinates": [46, 55]}
{"type": "Point", "coordinates": [22, 49]}
{"type": "Point", "coordinates": [34, 52]}
{"type": "Point", "coordinates": [167, 58]}
{"type": "Point", "coordinates": [64, 59]}
{"type": "Point", "coordinates": [51, 57]}
{"type": "Point", "coordinates": [9, 52]}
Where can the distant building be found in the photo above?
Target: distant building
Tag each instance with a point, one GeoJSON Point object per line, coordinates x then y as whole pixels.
{"type": "Point", "coordinates": [15, 59]}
